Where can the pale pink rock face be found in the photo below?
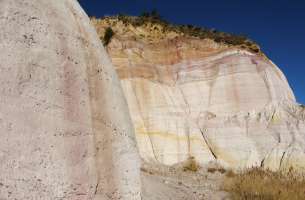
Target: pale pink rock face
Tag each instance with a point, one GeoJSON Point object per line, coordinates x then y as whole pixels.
{"type": "Point", "coordinates": [65, 130]}
{"type": "Point", "coordinates": [191, 97]}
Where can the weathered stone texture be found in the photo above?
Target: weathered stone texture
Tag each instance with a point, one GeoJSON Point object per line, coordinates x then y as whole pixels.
{"type": "Point", "coordinates": [190, 97]}
{"type": "Point", "coordinates": [65, 130]}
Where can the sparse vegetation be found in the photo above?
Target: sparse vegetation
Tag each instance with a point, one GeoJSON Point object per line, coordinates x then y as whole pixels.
{"type": "Point", "coordinates": [147, 170]}
{"type": "Point", "coordinates": [302, 106]}
{"type": "Point", "coordinates": [218, 169]}
{"type": "Point", "coordinates": [191, 165]}
{"type": "Point", "coordinates": [230, 174]}
{"type": "Point", "coordinates": [107, 36]}
{"type": "Point", "coordinates": [259, 184]}
{"type": "Point", "coordinates": [190, 30]}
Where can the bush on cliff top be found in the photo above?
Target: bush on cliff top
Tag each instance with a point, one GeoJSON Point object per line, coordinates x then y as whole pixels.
{"type": "Point", "coordinates": [190, 30]}
{"type": "Point", "coordinates": [107, 36]}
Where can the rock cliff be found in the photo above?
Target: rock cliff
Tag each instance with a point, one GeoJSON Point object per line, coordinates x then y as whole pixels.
{"type": "Point", "coordinates": [201, 97]}
{"type": "Point", "coordinates": [65, 130]}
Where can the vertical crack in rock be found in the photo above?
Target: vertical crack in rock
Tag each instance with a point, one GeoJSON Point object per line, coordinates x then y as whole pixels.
{"type": "Point", "coordinates": [96, 189]}
{"type": "Point", "coordinates": [263, 75]}
{"type": "Point", "coordinates": [208, 144]}
{"type": "Point", "coordinates": [262, 162]}
{"type": "Point", "coordinates": [247, 119]}
{"type": "Point", "coordinates": [140, 111]}
{"type": "Point", "coordinates": [282, 158]}
{"type": "Point", "coordinates": [187, 111]}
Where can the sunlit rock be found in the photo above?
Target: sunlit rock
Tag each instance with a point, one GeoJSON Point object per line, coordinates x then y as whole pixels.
{"type": "Point", "coordinates": [191, 97]}
{"type": "Point", "coordinates": [65, 130]}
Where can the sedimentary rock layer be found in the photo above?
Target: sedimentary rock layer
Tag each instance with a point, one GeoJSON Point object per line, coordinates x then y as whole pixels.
{"type": "Point", "coordinates": [65, 131]}
{"type": "Point", "coordinates": [191, 97]}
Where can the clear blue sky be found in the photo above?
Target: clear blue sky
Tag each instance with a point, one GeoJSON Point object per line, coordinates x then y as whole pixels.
{"type": "Point", "coordinates": [278, 26]}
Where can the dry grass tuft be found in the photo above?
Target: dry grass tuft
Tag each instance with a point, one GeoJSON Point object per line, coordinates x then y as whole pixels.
{"type": "Point", "coordinates": [191, 165]}
{"type": "Point", "coordinates": [218, 169]}
{"type": "Point", "coordinates": [259, 184]}
{"type": "Point", "coordinates": [145, 170]}
{"type": "Point", "coordinates": [230, 174]}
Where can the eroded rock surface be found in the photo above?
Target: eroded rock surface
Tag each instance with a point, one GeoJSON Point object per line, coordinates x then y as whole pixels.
{"type": "Point", "coordinates": [65, 131]}
{"type": "Point", "coordinates": [191, 97]}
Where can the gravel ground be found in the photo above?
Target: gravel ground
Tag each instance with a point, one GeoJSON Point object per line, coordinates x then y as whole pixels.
{"type": "Point", "coordinates": [174, 183]}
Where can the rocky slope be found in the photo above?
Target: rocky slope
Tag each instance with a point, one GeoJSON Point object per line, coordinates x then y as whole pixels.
{"type": "Point", "coordinates": [197, 97]}
{"type": "Point", "coordinates": [65, 130]}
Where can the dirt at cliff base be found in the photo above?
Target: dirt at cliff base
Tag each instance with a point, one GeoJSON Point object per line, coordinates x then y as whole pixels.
{"type": "Point", "coordinates": [176, 183]}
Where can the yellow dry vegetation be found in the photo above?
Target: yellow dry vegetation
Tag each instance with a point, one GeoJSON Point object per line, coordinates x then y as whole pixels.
{"type": "Point", "coordinates": [191, 165]}
{"type": "Point", "coordinates": [260, 184]}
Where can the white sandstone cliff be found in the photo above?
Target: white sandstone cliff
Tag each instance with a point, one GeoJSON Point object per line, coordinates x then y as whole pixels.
{"type": "Point", "coordinates": [191, 97]}
{"type": "Point", "coordinates": [65, 130]}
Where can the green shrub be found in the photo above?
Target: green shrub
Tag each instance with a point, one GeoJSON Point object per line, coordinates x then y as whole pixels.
{"type": "Point", "coordinates": [107, 36]}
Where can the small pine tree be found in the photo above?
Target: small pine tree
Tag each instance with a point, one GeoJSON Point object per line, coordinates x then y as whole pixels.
{"type": "Point", "coordinates": [107, 36]}
{"type": "Point", "coordinates": [155, 14]}
{"type": "Point", "coordinates": [145, 14]}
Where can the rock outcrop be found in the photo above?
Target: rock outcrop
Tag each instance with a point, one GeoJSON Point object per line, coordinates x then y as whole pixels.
{"type": "Point", "coordinates": [65, 130]}
{"type": "Point", "coordinates": [192, 97]}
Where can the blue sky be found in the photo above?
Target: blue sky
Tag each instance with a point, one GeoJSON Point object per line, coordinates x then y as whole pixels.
{"type": "Point", "coordinates": [278, 26]}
